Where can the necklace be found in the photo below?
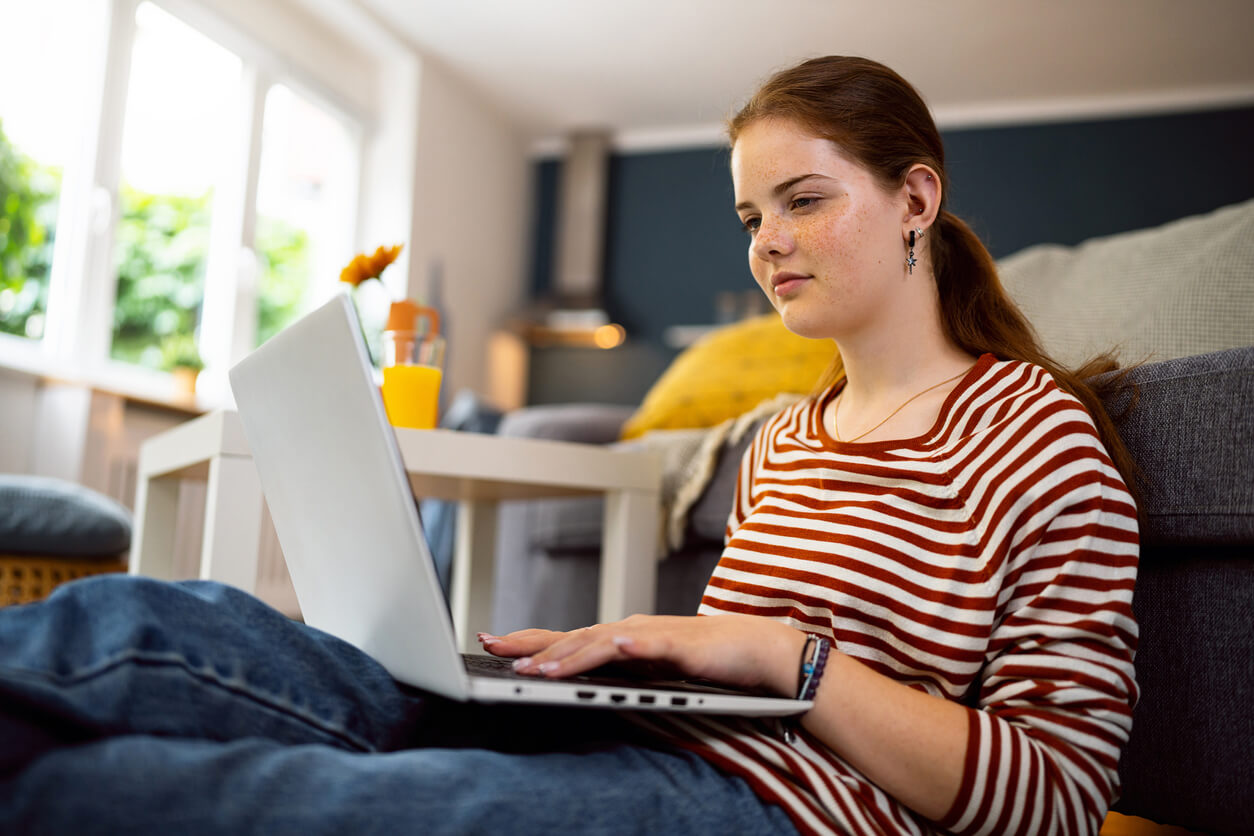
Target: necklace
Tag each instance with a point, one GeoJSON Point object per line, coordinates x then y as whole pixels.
{"type": "Point", "coordinates": [836, 411]}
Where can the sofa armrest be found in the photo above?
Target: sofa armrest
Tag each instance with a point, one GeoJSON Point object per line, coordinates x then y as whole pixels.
{"type": "Point", "coordinates": [586, 423]}
{"type": "Point", "coordinates": [1189, 429]}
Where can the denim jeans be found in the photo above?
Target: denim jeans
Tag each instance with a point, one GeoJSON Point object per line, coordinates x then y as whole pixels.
{"type": "Point", "coordinates": [135, 706]}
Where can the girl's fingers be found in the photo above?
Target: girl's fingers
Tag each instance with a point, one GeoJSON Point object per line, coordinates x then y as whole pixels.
{"type": "Point", "coordinates": [565, 661]}
{"type": "Point", "coordinates": [521, 643]}
{"type": "Point", "coordinates": [583, 652]}
{"type": "Point", "coordinates": [566, 645]}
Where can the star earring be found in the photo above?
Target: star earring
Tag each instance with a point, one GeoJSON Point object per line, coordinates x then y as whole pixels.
{"type": "Point", "coordinates": [915, 234]}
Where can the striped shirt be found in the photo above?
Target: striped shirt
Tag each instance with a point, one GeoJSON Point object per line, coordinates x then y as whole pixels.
{"type": "Point", "coordinates": [990, 561]}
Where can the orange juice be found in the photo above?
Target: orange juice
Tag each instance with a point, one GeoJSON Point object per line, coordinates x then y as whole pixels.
{"type": "Point", "coordinates": [411, 395]}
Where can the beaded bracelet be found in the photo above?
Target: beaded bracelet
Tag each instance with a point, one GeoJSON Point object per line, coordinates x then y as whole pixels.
{"type": "Point", "coordinates": [813, 661]}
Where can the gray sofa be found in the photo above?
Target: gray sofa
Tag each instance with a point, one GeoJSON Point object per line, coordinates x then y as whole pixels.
{"type": "Point", "coordinates": [1180, 300]}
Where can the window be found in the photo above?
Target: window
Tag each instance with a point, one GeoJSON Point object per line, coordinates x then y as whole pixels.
{"type": "Point", "coordinates": [180, 119]}
{"type": "Point", "coordinates": [215, 200]}
{"type": "Point", "coordinates": [305, 196]}
{"type": "Point", "coordinates": [37, 142]}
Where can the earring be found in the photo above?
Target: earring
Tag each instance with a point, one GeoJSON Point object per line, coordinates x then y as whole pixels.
{"type": "Point", "coordinates": [915, 234]}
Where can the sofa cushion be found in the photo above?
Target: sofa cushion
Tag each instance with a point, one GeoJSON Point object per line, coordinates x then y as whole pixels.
{"type": "Point", "coordinates": [1191, 431]}
{"type": "Point", "coordinates": [729, 372]}
{"type": "Point", "coordinates": [39, 515]}
{"type": "Point", "coordinates": [1176, 290]}
{"type": "Point", "coordinates": [560, 525]}
{"type": "Point", "coordinates": [565, 525]}
{"type": "Point", "coordinates": [585, 423]}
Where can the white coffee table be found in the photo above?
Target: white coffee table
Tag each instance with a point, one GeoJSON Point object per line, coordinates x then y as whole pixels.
{"type": "Point", "coordinates": [477, 471]}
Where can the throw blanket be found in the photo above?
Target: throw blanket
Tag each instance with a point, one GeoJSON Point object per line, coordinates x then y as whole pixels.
{"type": "Point", "coordinates": [689, 458]}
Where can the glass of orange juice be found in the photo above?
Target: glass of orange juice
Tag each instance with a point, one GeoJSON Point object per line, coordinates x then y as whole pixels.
{"type": "Point", "coordinates": [413, 366]}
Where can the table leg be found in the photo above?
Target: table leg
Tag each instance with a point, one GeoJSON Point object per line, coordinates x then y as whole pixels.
{"type": "Point", "coordinates": [232, 522]}
{"type": "Point", "coordinates": [156, 512]}
{"type": "Point", "coordinates": [474, 571]}
{"type": "Point", "coordinates": [628, 555]}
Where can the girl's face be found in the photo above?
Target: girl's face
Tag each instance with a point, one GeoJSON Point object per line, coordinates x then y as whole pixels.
{"type": "Point", "coordinates": [826, 241]}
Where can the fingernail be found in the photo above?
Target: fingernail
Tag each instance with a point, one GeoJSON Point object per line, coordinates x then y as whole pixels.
{"type": "Point", "coordinates": [622, 641]}
{"type": "Point", "coordinates": [548, 667]}
{"type": "Point", "coordinates": [488, 641]}
{"type": "Point", "coordinates": [522, 662]}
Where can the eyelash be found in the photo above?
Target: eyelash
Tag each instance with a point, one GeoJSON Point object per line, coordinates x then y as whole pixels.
{"type": "Point", "coordinates": [751, 223]}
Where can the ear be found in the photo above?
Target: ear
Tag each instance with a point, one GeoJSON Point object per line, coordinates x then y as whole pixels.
{"type": "Point", "coordinates": [923, 198]}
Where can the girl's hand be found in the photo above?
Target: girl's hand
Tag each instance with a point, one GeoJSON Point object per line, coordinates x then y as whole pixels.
{"type": "Point", "coordinates": [740, 651]}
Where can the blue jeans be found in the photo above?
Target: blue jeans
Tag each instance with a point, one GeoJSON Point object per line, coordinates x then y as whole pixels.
{"type": "Point", "coordinates": [134, 706]}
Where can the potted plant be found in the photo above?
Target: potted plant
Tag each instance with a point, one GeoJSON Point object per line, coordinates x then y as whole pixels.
{"type": "Point", "coordinates": [182, 359]}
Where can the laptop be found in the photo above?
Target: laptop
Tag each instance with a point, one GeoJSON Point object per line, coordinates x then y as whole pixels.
{"type": "Point", "coordinates": [348, 524]}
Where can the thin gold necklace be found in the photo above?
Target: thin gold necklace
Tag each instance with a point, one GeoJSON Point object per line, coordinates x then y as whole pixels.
{"type": "Point", "coordinates": [836, 411]}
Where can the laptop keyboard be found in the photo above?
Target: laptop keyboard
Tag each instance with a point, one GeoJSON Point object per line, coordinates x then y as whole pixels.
{"type": "Point", "coordinates": [491, 666]}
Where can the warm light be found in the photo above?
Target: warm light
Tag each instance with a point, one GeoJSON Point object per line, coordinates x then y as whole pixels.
{"type": "Point", "coordinates": [609, 336]}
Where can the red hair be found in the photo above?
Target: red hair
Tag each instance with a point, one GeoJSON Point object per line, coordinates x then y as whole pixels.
{"type": "Point", "coordinates": [879, 120]}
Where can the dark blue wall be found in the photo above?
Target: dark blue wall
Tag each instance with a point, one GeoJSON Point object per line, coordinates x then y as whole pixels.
{"type": "Point", "coordinates": [673, 240]}
{"type": "Point", "coordinates": [1063, 183]}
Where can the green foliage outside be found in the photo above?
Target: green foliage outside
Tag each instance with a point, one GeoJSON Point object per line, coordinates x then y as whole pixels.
{"type": "Point", "coordinates": [28, 212]}
{"type": "Point", "coordinates": [162, 246]}
{"type": "Point", "coordinates": [161, 250]}
{"type": "Point", "coordinates": [180, 352]}
{"type": "Point", "coordinates": [283, 253]}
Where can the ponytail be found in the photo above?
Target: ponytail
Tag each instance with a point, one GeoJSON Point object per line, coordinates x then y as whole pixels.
{"type": "Point", "coordinates": [980, 317]}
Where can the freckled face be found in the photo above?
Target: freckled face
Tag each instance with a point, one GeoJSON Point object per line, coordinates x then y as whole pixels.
{"type": "Point", "coordinates": [825, 239]}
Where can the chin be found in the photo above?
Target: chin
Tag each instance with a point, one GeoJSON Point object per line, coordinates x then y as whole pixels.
{"type": "Point", "coordinates": [804, 324]}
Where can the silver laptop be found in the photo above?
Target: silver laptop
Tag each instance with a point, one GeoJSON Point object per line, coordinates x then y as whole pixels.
{"type": "Point", "coordinates": [347, 521]}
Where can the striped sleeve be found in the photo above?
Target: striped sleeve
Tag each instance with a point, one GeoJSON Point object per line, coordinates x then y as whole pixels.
{"type": "Point", "coordinates": [1058, 687]}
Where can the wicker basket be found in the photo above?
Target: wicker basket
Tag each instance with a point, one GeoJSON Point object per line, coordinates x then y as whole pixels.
{"type": "Point", "coordinates": [26, 578]}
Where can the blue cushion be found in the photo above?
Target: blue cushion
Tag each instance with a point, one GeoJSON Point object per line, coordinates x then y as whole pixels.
{"type": "Point", "coordinates": [39, 515]}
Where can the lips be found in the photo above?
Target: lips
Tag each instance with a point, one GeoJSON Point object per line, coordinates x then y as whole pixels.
{"type": "Point", "coordinates": [785, 283]}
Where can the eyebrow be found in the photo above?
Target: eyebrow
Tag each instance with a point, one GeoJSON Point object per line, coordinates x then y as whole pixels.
{"type": "Point", "coordinates": [781, 188]}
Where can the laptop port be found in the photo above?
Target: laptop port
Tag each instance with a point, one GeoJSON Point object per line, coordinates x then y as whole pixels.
{"type": "Point", "coordinates": [618, 697]}
{"type": "Point", "coordinates": [647, 699]}
{"type": "Point", "coordinates": [586, 695]}
{"type": "Point", "coordinates": [679, 701]}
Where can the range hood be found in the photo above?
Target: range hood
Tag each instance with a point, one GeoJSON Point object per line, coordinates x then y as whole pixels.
{"type": "Point", "coordinates": [579, 248]}
{"type": "Point", "coordinates": [574, 312]}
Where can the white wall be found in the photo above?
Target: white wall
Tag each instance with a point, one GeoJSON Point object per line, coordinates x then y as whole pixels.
{"type": "Point", "coordinates": [472, 182]}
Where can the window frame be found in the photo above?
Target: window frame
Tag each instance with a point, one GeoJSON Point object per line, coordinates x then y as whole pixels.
{"type": "Point", "coordinates": [83, 280]}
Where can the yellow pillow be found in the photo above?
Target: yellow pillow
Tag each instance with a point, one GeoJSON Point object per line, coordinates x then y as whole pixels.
{"type": "Point", "coordinates": [728, 372]}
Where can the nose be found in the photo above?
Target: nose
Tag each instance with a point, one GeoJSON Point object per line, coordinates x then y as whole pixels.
{"type": "Point", "coordinates": [773, 238]}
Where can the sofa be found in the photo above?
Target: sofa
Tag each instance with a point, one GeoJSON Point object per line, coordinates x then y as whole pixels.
{"type": "Point", "coordinates": [1179, 301]}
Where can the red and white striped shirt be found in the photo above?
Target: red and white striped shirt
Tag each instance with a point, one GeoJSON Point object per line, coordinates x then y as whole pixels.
{"type": "Point", "coordinates": [990, 561]}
